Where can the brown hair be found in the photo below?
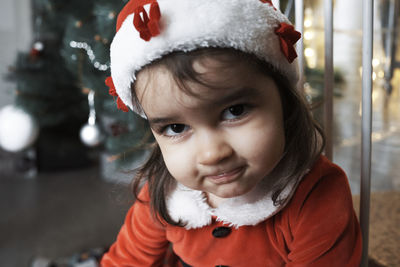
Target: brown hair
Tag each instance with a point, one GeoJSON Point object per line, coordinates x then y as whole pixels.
{"type": "Point", "coordinates": [304, 137]}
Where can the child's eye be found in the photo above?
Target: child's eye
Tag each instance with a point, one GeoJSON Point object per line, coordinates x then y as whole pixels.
{"type": "Point", "coordinates": [175, 129]}
{"type": "Point", "coordinates": [234, 112]}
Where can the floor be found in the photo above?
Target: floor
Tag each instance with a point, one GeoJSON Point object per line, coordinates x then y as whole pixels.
{"type": "Point", "coordinates": [384, 238]}
{"type": "Point", "coordinates": [58, 215]}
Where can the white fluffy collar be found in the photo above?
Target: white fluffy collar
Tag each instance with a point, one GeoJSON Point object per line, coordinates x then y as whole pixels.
{"type": "Point", "coordinates": [191, 207]}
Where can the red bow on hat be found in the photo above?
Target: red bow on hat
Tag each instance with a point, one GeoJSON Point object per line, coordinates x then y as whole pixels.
{"type": "Point", "coordinates": [288, 36]}
{"type": "Point", "coordinates": [113, 92]}
{"type": "Point", "coordinates": [147, 25]}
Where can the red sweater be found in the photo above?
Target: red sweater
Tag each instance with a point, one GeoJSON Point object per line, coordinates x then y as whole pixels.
{"type": "Point", "coordinates": [318, 227]}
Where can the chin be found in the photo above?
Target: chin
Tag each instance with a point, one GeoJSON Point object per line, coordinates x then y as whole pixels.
{"type": "Point", "coordinates": [233, 192]}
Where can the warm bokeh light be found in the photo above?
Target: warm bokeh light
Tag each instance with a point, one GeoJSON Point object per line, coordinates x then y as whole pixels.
{"type": "Point", "coordinates": [375, 62]}
{"type": "Point", "coordinates": [307, 23]}
{"type": "Point", "coordinates": [308, 35]}
{"type": "Point", "coordinates": [309, 52]}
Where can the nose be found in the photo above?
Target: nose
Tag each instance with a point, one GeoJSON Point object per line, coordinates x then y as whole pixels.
{"type": "Point", "coordinates": [213, 148]}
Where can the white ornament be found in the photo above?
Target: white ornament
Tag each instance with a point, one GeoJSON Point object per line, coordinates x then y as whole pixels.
{"type": "Point", "coordinates": [38, 46]}
{"type": "Point", "coordinates": [91, 135]}
{"type": "Point", "coordinates": [18, 129]}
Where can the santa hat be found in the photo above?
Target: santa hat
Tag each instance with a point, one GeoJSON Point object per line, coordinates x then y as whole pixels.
{"type": "Point", "coordinates": [149, 29]}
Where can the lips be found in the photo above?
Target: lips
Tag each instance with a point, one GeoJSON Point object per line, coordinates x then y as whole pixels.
{"type": "Point", "coordinates": [226, 176]}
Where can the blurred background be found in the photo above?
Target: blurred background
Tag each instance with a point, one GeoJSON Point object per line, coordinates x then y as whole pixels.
{"type": "Point", "coordinates": [67, 155]}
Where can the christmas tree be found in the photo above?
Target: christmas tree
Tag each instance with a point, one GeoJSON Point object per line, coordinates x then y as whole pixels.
{"type": "Point", "coordinates": [60, 82]}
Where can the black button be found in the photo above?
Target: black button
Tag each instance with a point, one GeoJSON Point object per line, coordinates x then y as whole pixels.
{"type": "Point", "coordinates": [221, 232]}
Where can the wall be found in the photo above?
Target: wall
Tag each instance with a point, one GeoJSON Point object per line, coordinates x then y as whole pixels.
{"type": "Point", "coordinates": [15, 35]}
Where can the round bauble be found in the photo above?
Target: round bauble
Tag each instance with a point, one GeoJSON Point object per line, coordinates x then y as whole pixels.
{"type": "Point", "coordinates": [18, 129]}
{"type": "Point", "coordinates": [39, 46]}
{"type": "Point", "coordinates": [91, 135]}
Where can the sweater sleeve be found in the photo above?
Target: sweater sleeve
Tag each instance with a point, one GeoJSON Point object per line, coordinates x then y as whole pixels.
{"type": "Point", "coordinates": [141, 240]}
{"type": "Point", "coordinates": [325, 230]}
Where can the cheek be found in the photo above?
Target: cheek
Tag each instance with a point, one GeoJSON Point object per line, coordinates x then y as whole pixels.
{"type": "Point", "coordinates": [178, 161]}
{"type": "Point", "coordinates": [263, 145]}
{"type": "Point", "coordinates": [272, 146]}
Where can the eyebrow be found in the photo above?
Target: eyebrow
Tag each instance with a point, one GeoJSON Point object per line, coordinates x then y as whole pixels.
{"type": "Point", "coordinates": [240, 93]}
{"type": "Point", "coordinates": [162, 120]}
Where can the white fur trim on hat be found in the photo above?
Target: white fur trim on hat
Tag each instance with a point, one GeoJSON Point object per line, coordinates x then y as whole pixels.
{"type": "Point", "coordinates": [186, 25]}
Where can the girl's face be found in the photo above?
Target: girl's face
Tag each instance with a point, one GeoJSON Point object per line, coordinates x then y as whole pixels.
{"type": "Point", "coordinates": [220, 141]}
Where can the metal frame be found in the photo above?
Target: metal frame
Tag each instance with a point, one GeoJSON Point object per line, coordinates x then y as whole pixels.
{"type": "Point", "coordinates": [390, 40]}
{"type": "Point", "coordinates": [299, 18]}
{"type": "Point", "coordinates": [288, 8]}
{"type": "Point", "coordinates": [365, 187]}
{"type": "Point", "coordinates": [328, 78]}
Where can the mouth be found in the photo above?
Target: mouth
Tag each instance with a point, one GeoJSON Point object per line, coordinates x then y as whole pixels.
{"type": "Point", "coordinates": [226, 176]}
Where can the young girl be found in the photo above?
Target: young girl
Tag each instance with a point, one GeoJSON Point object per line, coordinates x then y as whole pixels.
{"type": "Point", "coordinates": [236, 177]}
